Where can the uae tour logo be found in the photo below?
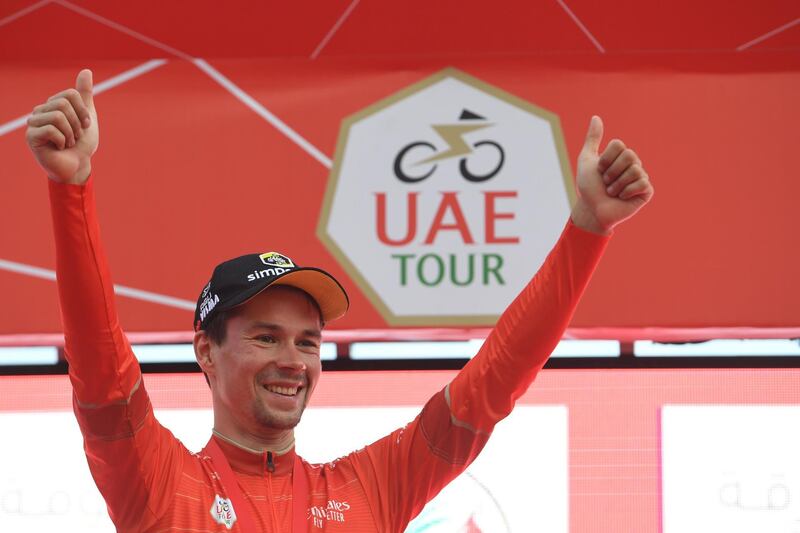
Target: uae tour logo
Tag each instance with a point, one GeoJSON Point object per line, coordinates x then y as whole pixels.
{"type": "Point", "coordinates": [453, 135]}
{"type": "Point", "coordinates": [222, 511]}
{"type": "Point", "coordinates": [444, 199]}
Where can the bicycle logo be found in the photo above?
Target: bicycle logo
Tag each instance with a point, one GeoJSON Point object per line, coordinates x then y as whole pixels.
{"type": "Point", "coordinates": [452, 134]}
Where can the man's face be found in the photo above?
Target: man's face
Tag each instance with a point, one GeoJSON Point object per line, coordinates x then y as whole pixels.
{"type": "Point", "coordinates": [269, 363]}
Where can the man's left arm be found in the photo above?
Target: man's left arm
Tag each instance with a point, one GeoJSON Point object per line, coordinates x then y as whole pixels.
{"type": "Point", "coordinates": [611, 187]}
{"type": "Point", "coordinates": [410, 466]}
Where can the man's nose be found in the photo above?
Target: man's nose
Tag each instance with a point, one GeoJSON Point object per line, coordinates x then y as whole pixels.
{"type": "Point", "coordinates": [291, 359]}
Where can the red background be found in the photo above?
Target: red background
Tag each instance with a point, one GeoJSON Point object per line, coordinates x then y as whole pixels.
{"type": "Point", "coordinates": [188, 176]}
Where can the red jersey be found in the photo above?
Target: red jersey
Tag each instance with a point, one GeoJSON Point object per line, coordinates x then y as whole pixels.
{"type": "Point", "coordinates": [152, 483]}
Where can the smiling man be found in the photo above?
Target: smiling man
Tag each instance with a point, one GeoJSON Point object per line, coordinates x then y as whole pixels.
{"type": "Point", "coordinates": [257, 337]}
{"type": "Point", "coordinates": [258, 334]}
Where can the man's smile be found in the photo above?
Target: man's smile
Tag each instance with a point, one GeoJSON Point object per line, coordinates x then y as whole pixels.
{"type": "Point", "coordinates": [283, 391]}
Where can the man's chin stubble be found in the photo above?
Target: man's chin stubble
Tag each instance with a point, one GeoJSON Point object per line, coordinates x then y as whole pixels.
{"type": "Point", "coordinates": [271, 421]}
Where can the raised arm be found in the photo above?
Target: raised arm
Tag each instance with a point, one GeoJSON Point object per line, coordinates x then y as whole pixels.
{"type": "Point", "coordinates": [414, 463]}
{"type": "Point", "coordinates": [63, 135]}
{"type": "Point", "coordinates": [130, 455]}
{"type": "Point", "coordinates": [612, 186]}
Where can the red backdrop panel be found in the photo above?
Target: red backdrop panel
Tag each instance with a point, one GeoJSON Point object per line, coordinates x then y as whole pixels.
{"type": "Point", "coordinates": [187, 175]}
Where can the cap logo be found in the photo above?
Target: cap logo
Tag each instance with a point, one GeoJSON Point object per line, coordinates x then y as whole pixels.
{"type": "Point", "coordinates": [206, 289]}
{"type": "Point", "coordinates": [266, 273]}
{"type": "Point", "coordinates": [208, 304]}
{"type": "Point", "coordinates": [275, 259]}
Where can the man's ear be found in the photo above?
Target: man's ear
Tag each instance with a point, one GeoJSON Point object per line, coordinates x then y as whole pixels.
{"type": "Point", "coordinates": [202, 352]}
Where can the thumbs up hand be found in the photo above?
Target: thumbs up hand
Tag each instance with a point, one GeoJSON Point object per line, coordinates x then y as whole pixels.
{"type": "Point", "coordinates": [63, 133]}
{"type": "Point", "coordinates": [611, 186]}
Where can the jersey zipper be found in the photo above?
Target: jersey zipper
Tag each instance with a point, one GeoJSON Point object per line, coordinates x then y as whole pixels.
{"type": "Point", "coordinates": [270, 463]}
{"type": "Point", "coordinates": [270, 468]}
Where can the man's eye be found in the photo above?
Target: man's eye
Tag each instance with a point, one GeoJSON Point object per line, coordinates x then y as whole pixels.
{"type": "Point", "coordinates": [265, 338]}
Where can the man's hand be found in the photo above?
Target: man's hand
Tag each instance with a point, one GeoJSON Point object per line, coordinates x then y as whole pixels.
{"type": "Point", "coordinates": [612, 186]}
{"type": "Point", "coordinates": [63, 133]}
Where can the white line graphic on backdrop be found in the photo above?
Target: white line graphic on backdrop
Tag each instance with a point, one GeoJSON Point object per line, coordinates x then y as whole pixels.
{"type": "Point", "coordinates": [324, 42]}
{"type": "Point", "coordinates": [215, 75]}
{"type": "Point", "coordinates": [105, 85]}
{"type": "Point", "coordinates": [767, 35]}
{"type": "Point", "coordinates": [583, 28]}
{"type": "Point", "coordinates": [122, 29]}
{"type": "Point", "coordinates": [263, 112]}
{"type": "Point", "coordinates": [22, 12]}
{"type": "Point", "coordinates": [121, 290]}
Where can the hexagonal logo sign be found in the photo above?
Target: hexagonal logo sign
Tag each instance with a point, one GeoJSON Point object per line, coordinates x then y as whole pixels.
{"type": "Point", "coordinates": [445, 198]}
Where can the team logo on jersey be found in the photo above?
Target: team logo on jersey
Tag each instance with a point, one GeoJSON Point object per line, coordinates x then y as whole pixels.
{"type": "Point", "coordinates": [277, 260]}
{"type": "Point", "coordinates": [222, 511]}
{"type": "Point", "coordinates": [334, 511]}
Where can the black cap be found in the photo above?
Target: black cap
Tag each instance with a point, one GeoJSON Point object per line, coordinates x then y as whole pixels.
{"type": "Point", "coordinates": [237, 280]}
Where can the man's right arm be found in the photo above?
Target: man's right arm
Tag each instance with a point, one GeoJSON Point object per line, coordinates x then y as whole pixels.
{"type": "Point", "coordinates": [133, 459]}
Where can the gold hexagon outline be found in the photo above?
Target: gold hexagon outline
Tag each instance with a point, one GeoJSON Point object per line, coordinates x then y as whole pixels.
{"type": "Point", "coordinates": [333, 180]}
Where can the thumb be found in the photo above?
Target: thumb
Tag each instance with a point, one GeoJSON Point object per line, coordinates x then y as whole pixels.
{"type": "Point", "coordinates": [594, 136]}
{"type": "Point", "coordinates": [84, 86]}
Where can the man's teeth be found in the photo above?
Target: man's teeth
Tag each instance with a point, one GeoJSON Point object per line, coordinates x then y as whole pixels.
{"type": "Point", "coordinates": [286, 391]}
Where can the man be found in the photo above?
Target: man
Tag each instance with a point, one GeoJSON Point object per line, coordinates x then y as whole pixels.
{"type": "Point", "coordinates": [257, 336]}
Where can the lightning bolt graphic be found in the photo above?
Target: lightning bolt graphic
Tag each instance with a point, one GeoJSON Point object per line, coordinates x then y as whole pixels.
{"type": "Point", "coordinates": [453, 135]}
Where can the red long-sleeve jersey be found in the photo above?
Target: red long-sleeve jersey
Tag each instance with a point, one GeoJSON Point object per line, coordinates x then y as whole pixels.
{"type": "Point", "coordinates": [152, 483]}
